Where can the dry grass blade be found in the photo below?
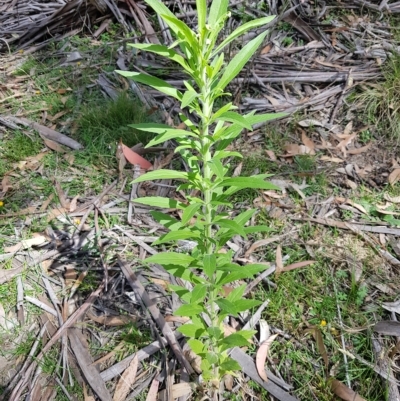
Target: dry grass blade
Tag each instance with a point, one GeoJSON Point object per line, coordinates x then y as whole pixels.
{"type": "Point", "coordinates": [279, 261]}
{"type": "Point", "coordinates": [297, 265]}
{"type": "Point", "coordinates": [126, 380]}
{"type": "Point", "coordinates": [81, 350]}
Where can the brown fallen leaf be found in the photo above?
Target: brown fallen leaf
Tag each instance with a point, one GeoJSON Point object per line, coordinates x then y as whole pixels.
{"type": "Point", "coordinates": [394, 176]}
{"type": "Point", "coordinates": [308, 142]}
{"type": "Point", "coordinates": [5, 184]}
{"type": "Point", "coordinates": [36, 240]}
{"type": "Point", "coordinates": [54, 145]}
{"type": "Point", "coordinates": [257, 244]}
{"type": "Point", "coordinates": [279, 262]}
{"type": "Point", "coordinates": [331, 159]}
{"type": "Point", "coordinates": [342, 391]}
{"type": "Point", "coordinates": [121, 320]}
{"type": "Point", "coordinates": [316, 332]}
{"type": "Point", "coordinates": [261, 356]}
{"type": "Point", "coordinates": [297, 265]}
{"type": "Point", "coordinates": [133, 158]}
{"type": "Point", "coordinates": [126, 380]}
{"type": "Point", "coordinates": [350, 202]}
{"type": "Point", "coordinates": [61, 196]}
{"type": "Point", "coordinates": [271, 155]}
{"type": "Point", "coordinates": [357, 151]}
{"type": "Point", "coordinates": [152, 394]}
{"type": "Point", "coordinates": [393, 199]}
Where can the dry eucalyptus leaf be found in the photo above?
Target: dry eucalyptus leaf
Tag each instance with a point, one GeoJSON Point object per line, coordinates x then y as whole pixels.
{"type": "Point", "coordinates": [271, 155]}
{"type": "Point", "coordinates": [342, 391]}
{"type": "Point", "coordinates": [308, 142]}
{"type": "Point", "coordinates": [36, 240]}
{"type": "Point", "coordinates": [261, 356]}
{"type": "Point", "coordinates": [54, 145]}
{"type": "Point", "coordinates": [297, 265]}
{"type": "Point", "coordinates": [394, 176]}
{"type": "Point", "coordinates": [279, 261]}
{"type": "Point", "coordinates": [126, 380]}
{"type": "Point", "coordinates": [357, 151]}
{"type": "Point", "coordinates": [331, 159]}
{"type": "Point", "coordinates": [265, 331]}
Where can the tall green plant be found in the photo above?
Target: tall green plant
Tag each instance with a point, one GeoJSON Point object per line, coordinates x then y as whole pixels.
{"type": "Point", "coordinates": [203, 146]}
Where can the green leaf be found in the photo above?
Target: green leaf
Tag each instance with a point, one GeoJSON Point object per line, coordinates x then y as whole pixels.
{"type": "Point", "coordinates": [215, 332]}
{"type": "Point", "coordinates": [170, 258]}
{"type": "Point", "coordinates": [166, 220]}
{"type": "Point", "coordinates": [217, 168]}
{"type": "Point", "coordinates": [247, 271]}
{"type": "Point", "coordinates": [261, 118]}
{"type": "Point", "coordinates": [233, 340]}
{"type": "Point", "coordinates": [212, 358]}
{"type": "Point", "coordinates": [244, 217]}
{"type": "Point", "coordinates": [191, 330]}
{"type": "Point", "coordinates": [247, 182]}
{"type": "Point", "coordinates": [245, 304]}
{"type": "Point", "coordinates": [187, 98]}
{"type": "Point", "coordinates": [224, 109]}
{"type": "Point", "coordinates": [243, 29]}
{"type": "Point", "coordinates": [236, 293]}
{"type": "Point", "coordinates": [226, 306]}
{"type": "Point", "coordinates": [233, 117]}
{"type": "Point", "coordinates": [154, 82]}
{"type": "Point", "coordinates": [198, 293]}
{"type": "Point", "coordinates": [230, 365]}
{"type": "Point", "coordinates": [163, 51]}
{"type": "Point", "coordinates": [217, 10]}
{"type": "Point", "coordinates": [196, 346]}
{"type": "Point", "coordinates": [183, 32]}
{"type": "Point", "coordinates": [232, 225]}
{"type": "Point", "coordinates": [189, 310]}
{"type": "Point", "coordinates": [182, 292]}
{"type": "Point", "coordinates": [162, 175]}
{"type": "Point", "coordinates": [159, 201]}
{"type": "Point", "coordinates": [159, 7]}
{"type": "Point", "coordinates": [209, 265]}
{"type": "Point", "coordinates": [201, 8]}
{"type": "Point", "coordinates": [184, 273]}
{"type": "Point", "coordinates": [189, 212]}
{"type": "Point", "coordinates": [238, 62]}
{"type": "Point", "coordinates": [177, 235]}
{"type": "Point", "coordinates": [256, 229]}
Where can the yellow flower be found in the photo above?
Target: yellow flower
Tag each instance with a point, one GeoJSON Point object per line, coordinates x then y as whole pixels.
{"type": "Point", "coordinates": [1, 203]}
{"type": "Point", "coordinates": [323, 323]}
{"type": "Point", "coordinates": [21, 51]}
{"type": "Point", "coordinates": [77, 221]}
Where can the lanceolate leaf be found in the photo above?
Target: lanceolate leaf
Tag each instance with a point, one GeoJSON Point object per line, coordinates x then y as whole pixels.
{"type": "Point", "coordinates": [232, 225]}
{"type": "Point", "coordinates": [163, 51]}
{"type": "Point", "coordinates": [233, 117]}
{"type": "Point", "coordinates": [162, 175]}
{"type": "Point", "coordinates": [154, 82]}
{"type": "Point", "coordinates": [243, 29]}
{"type": "Point", "coordinates": [217, 10]}
{"type": "Point", "coordinates": [177, 235]}
{"type": "Point", "coordinates": [247, 182]}
{"type": "Point", "coordinates": [261, 118]}
{"type": "Point", "coordinates": [159, 201]}
{"type": "Point", "coordinates": [189, 212]}
{"type": "Point", "coordinates": [189, 310]}
{"type": "Point", "coordinates": [201, 7]}
{"type": "Point", "coordinates": [170, 258]}
{"type": "Point", "coordinates": [238, 62]}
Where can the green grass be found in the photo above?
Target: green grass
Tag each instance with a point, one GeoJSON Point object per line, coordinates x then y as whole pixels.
{"type": "Point", "coordinates": [381, 101]}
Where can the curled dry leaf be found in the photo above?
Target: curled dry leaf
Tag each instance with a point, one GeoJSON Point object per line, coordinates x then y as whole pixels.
{"type": "Point", "coordinates": [237, 170]}
{"type": "Point", "coordinates": [133, 158]}
{"type": "Point", "coordinates": [126, 380]}
{"type": "Point", "coordinates": [394, 176]}
{"type": "Point", "coordinates": [331, 159]}
{"type": "Point", "coordinates": [342, 391]}
{"type": "Point", "coordinates": [261, 356]}
{"type": "Point", "coordinates": [350, 202]}
{"type": "Point", "coordinates": [393, 199]}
